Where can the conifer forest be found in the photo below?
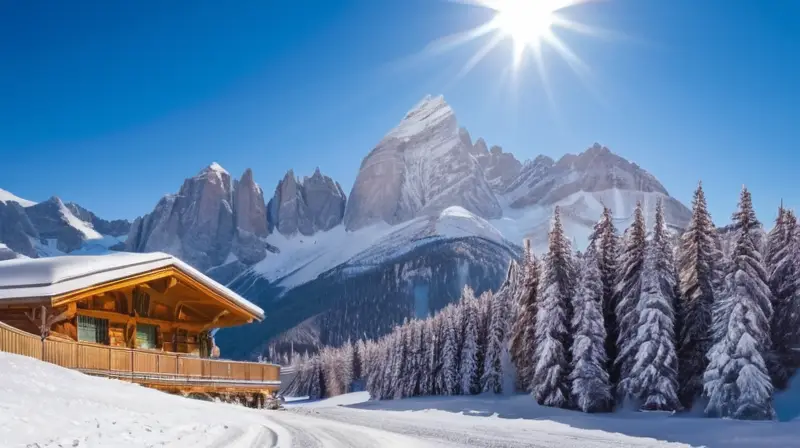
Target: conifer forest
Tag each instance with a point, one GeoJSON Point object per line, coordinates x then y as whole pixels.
{"type": "Point", "coordinates": [647, 318]}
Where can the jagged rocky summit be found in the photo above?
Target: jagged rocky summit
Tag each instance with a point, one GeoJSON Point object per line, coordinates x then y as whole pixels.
{"type": "Point", "coordinates": [52, 227]}
{"type": "Point", "coordinates": [212, 222]}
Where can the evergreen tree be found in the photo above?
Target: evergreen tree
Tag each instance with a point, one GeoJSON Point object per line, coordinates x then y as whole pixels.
{"type": "Point", "coordinates": [348, 354]}
{"type": "Point", "coordinates": [358, 359]}
{"type": "Point", "coordinates": [736, 381]}
{"type": "Point", "coordinates": [699, 264]}
{"type": "Point", "coordinates": [400, 358]}
{"type": "Point", "coordinates": [652, 378]}
{"type": "Point", "coordinates": [783, 271]}
{"type": "Point", "coordinates": [388, 384]}
{"type": "Point", "coordinates": [497, 346]}
{"type": "Point", "coordinates": [550, 383]}
{"type": "Point", "coordinates": [523, 342]}
{"type": "Point", "coordinates": [441, 330]}
{"type": "Point", "coordinates": [604, 241]}
{"type": "Point", "coordinates": [450, 352]}
{"type": "Point", "coordinates": [591, 389]}
{"type": "Point", "coordinates": [629, 290]}
{"type": "Point", "coordinates": [484, 321]}
{"type": "Point", "coordinates": [414, 360]}
{"type": "Point", "coordinates": [425, 356]}
{"type": "Point", "coordinates": [316, 381]}
{"type": "Point", "coordinates": [468, 370]}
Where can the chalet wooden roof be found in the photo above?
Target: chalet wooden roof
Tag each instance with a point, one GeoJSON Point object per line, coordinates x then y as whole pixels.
{"type": "Point", "coordinates": [60, 278]}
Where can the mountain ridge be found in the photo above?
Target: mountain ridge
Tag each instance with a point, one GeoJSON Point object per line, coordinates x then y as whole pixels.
{"type": "Point", "coordinates": [429, 211]}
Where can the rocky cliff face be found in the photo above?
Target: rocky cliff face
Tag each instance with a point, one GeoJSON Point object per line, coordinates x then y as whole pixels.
{"type": "Point", "coordinates": [17, 232]}
{"type": "Point", "coordinates": [500, 168]}
{"type": "Point", "coordinates": [212, 222]}
{"type": "Point", "coordinates": [116, 227]}
{"type": "Point", "coordinates": [250, 220]}
{"type": "Point", "coordinates": [52, 228]}
{"type": "Point", "coordinates": [422, 166]}
{"type": "Point", "coordinates": [316, 203]}
{"type": "Point", "coordinates": [55, 223]}
{"type": "Point", "coordinates": [195, 225]}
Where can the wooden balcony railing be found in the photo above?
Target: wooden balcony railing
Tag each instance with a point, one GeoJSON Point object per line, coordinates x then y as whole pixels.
{"type": "Point", "coordinates": [141, 366]}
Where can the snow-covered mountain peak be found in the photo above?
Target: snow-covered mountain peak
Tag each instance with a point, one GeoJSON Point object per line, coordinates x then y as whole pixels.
{"type": "Point", "coordinates": [421, 167]}
{"type": "Point", "coordinates": [216, 167]}
{"type": "Point", "coordinates": [7, 196]}
{"type": "Point", "coordinates": [216, 174]}
{"type": "Point", "coordinates": [429, 113]}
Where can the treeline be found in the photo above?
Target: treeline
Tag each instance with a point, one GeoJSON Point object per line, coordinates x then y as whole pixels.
{"type": "Point", "coordinates": [633, 321]}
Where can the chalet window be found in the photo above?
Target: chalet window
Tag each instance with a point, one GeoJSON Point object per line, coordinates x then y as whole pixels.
{"type": "Point", "coordinates": [141, 303]}
{"type": "Point", "coordinates": [146, 336]}
{"type": "Point", "coordinates": [92, 329]}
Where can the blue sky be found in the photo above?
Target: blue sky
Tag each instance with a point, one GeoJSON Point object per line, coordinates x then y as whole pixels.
{"type": "Point", "coordinates": [113, 104]}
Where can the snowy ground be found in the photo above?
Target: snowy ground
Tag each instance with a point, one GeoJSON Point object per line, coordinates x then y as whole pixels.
{"type": "Point", "coordinates": [42, 405]}
{"type": "Point", "coordinates": [518, 422]}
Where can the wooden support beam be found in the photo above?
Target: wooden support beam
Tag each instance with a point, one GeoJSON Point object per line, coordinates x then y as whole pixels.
{"type": "Point", "coordinates": [163, 285]}
{"type": "Point", "coordinates": [44, 320]}
{"type": "Point", "coordinates": [215, 320]}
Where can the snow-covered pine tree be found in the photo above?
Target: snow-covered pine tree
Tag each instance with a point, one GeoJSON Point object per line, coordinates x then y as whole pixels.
{"type": "Point", "coordinates": [316, 380]}
{"type": "Point", "coordinates": [776, 238]}
{"type": "Point", "coordinates": [428, 358]}
{"type": "Point", "coordinates": [468, 369]}
{"type": "Point", "coordinates": [372, 368]}
{"type": "Point", "coordinates": [388, 384]}
{"type": "Point", "coordinates": [783, 271]}
{"type": "Point", "coordinates": [412, 368]}
{"type": "Point", "coordinates": [523, 343]}
{"type": "Point", "coordinates": [330, 364]}
{"type": "Point", "coordinates": [550, 383]}
{"type": "Point", "coordinates": [400, 373]}
{"type": "Point", "coordinates": [700, 275]}
{"type": "Point", "coordinates": [450, 352]}
{"type": "Point", "coordinates": [629, 288]}
{"type": "Point", "coordinates": [441, 331]}
{"type": "Point", "coordinates": [652, 380]}
{"type": "Point", "coordinates": [736, 381]}
{"type": "Point", "coordinates": [604, 241]}
{"type": "Point", "coordinates": [591, 389]}
{"type": "Point", "coordinates": [347, 360]}
{"type": "Point", "coordinates": [513, 278]}
{"type": "Point", "coordinates": [484, 321]}
{"type": "Point", "coordinates": [497, 338]}
{"type": "Point", "coordinates": [358, 359]}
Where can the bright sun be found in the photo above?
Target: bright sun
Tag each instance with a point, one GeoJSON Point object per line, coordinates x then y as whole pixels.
{"type": "Point", "coordinates": [527, 22]}
{"type": "Point", "coordinates": [530, 25]}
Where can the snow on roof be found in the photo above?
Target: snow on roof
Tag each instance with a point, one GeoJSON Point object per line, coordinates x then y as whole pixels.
{"type": "Point", "coordinates": [48, 277]}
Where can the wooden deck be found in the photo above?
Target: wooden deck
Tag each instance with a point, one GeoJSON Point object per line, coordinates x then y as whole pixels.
{"type": "Point", "coordinates": [171, 372]}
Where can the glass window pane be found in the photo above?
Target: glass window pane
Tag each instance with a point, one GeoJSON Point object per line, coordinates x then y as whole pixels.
{"type": "Point", "coordinates": [91, 329]}
{"type": "Point", "coordinates": [145, 336]}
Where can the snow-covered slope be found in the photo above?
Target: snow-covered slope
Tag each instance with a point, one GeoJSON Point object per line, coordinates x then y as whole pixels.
{"type": "Point", "coordinates": [47, 406]}
{"type": "Point", "coordinates": [582, 185]}
{"type": "Point", "coordinates": [6, 196]}
{"type": "Point", "coordinates": [300, 259]}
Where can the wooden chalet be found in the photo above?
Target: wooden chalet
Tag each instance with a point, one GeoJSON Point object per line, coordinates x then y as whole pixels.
{"type": "Point", "coordinates": [145, 318]}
